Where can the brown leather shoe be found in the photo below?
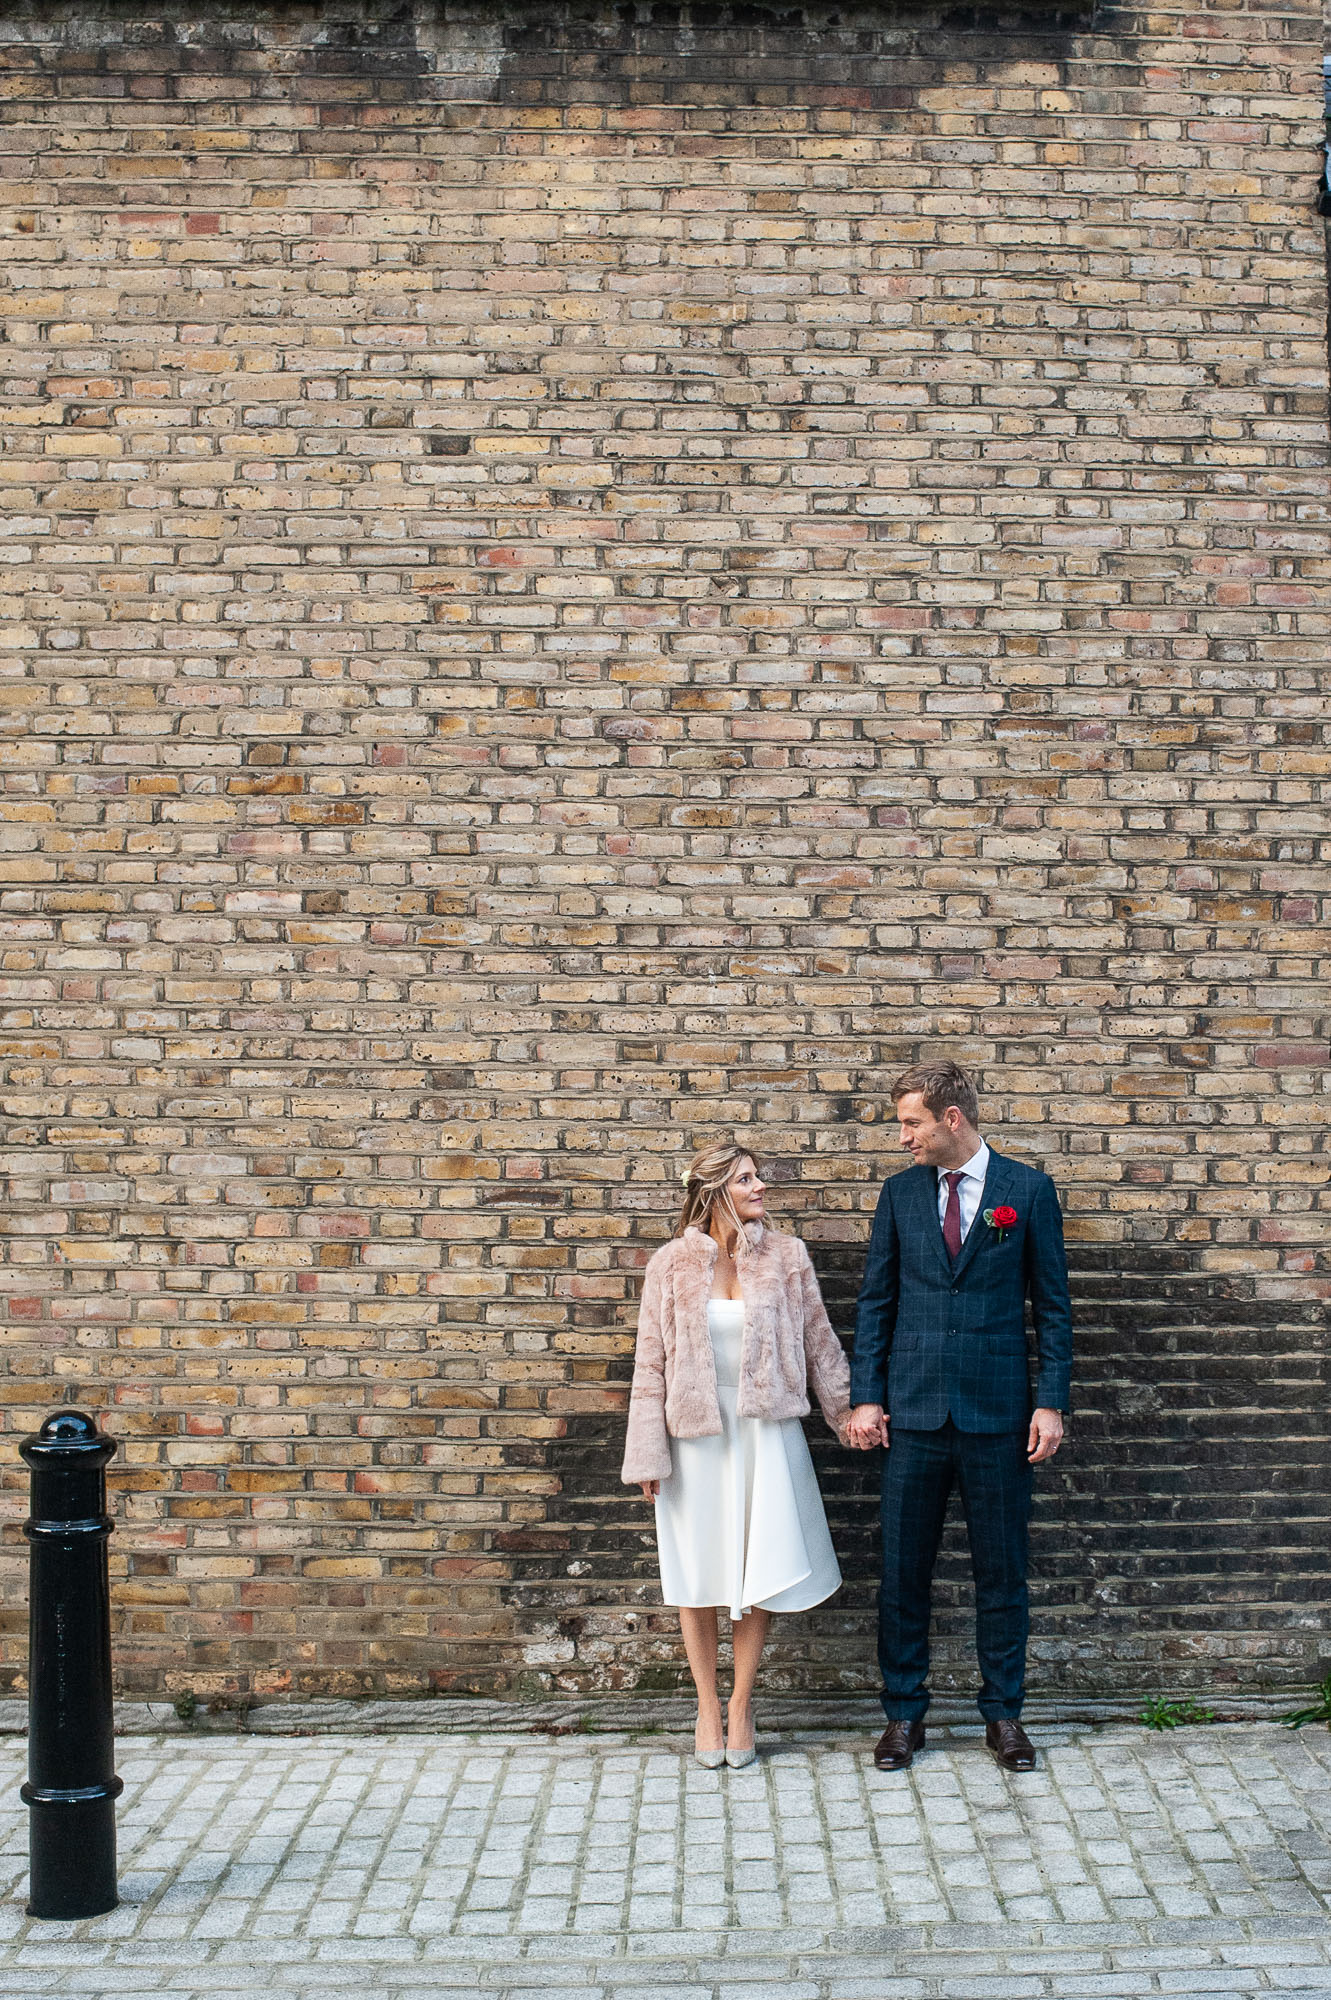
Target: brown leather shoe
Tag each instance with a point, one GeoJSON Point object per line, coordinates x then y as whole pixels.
{"type": "Point", "coordinates": [897, 1745]}
{"type": "Point", "coordinates": [1009, 1745]}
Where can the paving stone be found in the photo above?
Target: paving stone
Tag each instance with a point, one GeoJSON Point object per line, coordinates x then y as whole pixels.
{"type": "Point", "coordinates": [531, 1866]}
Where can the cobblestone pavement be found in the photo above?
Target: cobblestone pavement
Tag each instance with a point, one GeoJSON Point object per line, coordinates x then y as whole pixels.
{"type": "Point", "coordinates": [601, 1865]}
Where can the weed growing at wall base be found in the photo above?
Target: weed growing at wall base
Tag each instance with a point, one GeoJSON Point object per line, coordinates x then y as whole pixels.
{"type": "Point", "coordinates": [1160, 1713]}
{"type": "Point", "coordinates": [1320, 1711]}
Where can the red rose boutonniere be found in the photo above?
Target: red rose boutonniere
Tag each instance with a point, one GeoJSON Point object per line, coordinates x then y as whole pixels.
{"type": "Point", "coordinates": [1000, 1220]}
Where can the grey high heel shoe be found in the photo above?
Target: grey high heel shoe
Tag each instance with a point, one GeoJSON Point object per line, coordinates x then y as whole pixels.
{"type": "Point", "coordinates": [711, 1760]}
{"type": "Point", "coordinates": [738, 1759]}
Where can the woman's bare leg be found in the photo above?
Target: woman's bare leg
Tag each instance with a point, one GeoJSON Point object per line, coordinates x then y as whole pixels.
{"type": "Point", "coordinates": [749, 1636]}
{"type": "Point", "coordinates": [699, 1628]}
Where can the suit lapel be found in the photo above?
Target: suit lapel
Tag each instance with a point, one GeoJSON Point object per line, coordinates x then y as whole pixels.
{"type": "Point", "coordinates": [995, 1179]}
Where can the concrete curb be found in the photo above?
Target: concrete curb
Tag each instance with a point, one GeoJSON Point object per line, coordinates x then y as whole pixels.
{"type": "Point", "coordinates": [618, 1715]}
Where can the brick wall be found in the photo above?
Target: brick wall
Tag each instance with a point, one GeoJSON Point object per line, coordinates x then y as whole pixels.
{"type": "Point", "coordinates": [577, 579]}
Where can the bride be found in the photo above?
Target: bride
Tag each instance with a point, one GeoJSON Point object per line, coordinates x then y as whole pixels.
{"type": "Point", "coordinates": [731, 1333]}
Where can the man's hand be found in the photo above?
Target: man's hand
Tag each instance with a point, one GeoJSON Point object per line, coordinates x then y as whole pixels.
{"type": "Point", "coordinates": [1046, 1436]}
{"type": "Point", "coordinates": [866, 1427]}
{"type": "Point", "coordinates": [650, 1488]}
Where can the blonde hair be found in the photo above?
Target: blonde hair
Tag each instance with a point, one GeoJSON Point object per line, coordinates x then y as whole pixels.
{"type": "Point", "coordinates": [705, 1181]}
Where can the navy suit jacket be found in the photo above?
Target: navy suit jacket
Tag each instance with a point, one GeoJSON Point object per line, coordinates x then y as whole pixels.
{"type": "Point", "coordinates": [935, 1340]}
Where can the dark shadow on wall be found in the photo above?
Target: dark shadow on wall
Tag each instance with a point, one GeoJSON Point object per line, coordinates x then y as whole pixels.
{"type": "Point", "coordinates": [1182, 1539]}
{"type": "Point", "coordinates": [821, 56]}
{"type": "Point", "coordinates": [694, 57]}
{"type": "Point", "coordinates": [274, 50]}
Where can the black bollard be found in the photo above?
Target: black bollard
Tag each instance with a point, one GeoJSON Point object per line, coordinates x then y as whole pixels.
{"type": "Point", "coordinates": [72, 1786]}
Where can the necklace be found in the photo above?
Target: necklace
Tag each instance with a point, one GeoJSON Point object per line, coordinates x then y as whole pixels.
{"type": "Point", "coordinates": [725, 1274]}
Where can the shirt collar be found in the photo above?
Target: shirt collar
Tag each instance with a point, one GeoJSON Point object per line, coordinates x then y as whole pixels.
{"type": "Point", "coordinates": [977, 1166]}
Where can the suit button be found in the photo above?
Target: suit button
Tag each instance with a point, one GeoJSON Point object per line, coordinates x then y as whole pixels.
{"type": "Point", "coordinates": [955, 1289]}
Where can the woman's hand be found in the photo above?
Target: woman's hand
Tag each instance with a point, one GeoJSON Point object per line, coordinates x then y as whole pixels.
{"type": "Point", "coordinates": [867, 1427]}
{"type": "Point", "coordinates": [650, 1488]}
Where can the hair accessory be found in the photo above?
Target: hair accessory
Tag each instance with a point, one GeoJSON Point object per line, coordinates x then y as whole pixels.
{"type": "Point", "coordinates": [684, 1177]}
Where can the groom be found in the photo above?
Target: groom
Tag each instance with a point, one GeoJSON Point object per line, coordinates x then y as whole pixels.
{"type": "Point", "coordinates": [940, 1380]}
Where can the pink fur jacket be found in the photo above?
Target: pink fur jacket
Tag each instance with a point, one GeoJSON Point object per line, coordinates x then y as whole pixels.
{"type": "Point", "coordinates": [788, 1343]}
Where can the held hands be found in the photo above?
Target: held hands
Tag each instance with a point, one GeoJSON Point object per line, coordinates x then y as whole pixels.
{"type": "Point", "coordinates": [1046, 1436]}
{"type": "Point", "coordinates": [650, 1488]}
{"type": "Point", "coordinates": [866, 1427]}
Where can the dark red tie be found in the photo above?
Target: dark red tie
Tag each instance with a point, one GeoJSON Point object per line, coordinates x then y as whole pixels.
{"type": "Point", "coordinates": [952, 1216]}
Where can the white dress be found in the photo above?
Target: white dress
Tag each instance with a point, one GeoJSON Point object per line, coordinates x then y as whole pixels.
{"type": "Point", "coordinates": [740, 1522]}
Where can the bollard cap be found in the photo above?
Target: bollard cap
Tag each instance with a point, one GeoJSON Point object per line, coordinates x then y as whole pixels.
{"type": "Point", "coordinates": [68, 1437]}
{"type": "Point", "coordinates": [69, 1426]}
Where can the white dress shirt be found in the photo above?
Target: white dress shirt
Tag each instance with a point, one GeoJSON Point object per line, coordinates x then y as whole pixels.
{"type": "Point", "coordinates": [969, 1189]}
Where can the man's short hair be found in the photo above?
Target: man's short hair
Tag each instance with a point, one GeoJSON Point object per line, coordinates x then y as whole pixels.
{"type": "Point", "coordinates": [940, 1084]}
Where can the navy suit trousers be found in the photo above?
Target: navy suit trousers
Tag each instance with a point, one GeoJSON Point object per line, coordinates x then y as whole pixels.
{"type": "Point", "coordinates": [993, 1474]}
